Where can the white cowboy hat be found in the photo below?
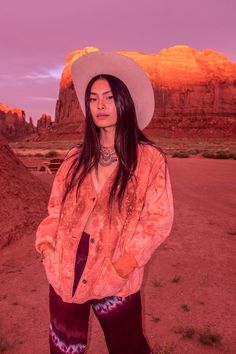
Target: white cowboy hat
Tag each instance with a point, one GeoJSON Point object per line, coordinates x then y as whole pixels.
{"type": "Point", "coordinates": [127, 70]}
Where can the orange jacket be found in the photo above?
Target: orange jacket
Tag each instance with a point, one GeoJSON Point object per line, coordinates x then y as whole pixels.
{"type": "Point", "coordinates": [124, 244]}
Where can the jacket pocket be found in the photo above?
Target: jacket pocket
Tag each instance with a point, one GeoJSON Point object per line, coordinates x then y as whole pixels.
{"type": "Point", "coordinates": [109, 282]}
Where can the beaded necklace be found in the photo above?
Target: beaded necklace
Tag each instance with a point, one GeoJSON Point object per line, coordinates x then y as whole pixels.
{"type": "Point", "coordinates": [107, 156]}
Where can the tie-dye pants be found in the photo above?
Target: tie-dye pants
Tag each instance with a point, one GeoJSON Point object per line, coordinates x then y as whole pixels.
{"type": "Point", "coordinates": [119, 317]}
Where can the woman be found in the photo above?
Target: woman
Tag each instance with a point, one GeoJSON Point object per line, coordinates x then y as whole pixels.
{"type": "Point", "coordinates": [110, 207]}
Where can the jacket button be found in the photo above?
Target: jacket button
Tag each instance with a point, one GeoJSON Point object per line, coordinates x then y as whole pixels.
{"type": "Point", "coordinates": [92, 240]}
{"type": "Point", "coordinates": [93, 199]}
{"type": "Point", "coordinates": [84, 281]}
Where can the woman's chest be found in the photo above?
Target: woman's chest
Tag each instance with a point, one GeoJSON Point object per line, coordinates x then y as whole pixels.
{"type": "Point", "coordinates": [101, 175]}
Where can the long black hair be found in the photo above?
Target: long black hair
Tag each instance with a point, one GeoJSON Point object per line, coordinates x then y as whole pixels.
{"type": "Point", "coordinates": [127, 137]}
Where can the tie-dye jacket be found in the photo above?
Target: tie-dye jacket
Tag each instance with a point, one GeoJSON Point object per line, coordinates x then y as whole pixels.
{"type": "Point", "coordinates": [122, 245]}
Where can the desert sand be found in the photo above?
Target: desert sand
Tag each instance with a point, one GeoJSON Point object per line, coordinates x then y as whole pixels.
{"type": "Point", "coordinates": [189, 282]}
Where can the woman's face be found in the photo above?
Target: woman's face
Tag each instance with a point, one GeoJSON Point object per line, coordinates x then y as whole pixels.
{"type": "Point", "coordinates": [102, 104]}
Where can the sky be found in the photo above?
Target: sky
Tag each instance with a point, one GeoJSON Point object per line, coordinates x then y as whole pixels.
{"type": "Point", "coordinates": [37, 36]}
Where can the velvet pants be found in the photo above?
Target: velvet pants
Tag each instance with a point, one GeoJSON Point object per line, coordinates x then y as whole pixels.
{"type": "Point", "coordinates": [119, 317]}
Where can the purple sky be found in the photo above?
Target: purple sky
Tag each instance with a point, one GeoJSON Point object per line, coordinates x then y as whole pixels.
{"type": "Point", "coordinates": [36, 37]}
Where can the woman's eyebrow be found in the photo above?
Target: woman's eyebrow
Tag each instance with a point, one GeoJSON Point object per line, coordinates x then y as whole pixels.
{"type": "Point", "coordinates": [104, 93]}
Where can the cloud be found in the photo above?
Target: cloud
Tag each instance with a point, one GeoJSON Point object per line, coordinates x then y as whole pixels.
{"type": "Point", "coordinates": [42, 98]}
{"type": "Point", "coordinates": [53, 73]}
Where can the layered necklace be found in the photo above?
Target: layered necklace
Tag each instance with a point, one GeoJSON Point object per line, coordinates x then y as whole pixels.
{"type": "Point", "coordinates": [107, 156]}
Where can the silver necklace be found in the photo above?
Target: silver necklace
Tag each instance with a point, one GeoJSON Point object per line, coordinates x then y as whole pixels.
{"type": "Point", "coordinates": [107, 156]}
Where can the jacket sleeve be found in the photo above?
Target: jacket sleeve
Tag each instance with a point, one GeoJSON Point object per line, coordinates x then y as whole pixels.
{"type": "Point", "coordinates": [155, 222]}
{"type": "Point", "coordinates": [47, 229]}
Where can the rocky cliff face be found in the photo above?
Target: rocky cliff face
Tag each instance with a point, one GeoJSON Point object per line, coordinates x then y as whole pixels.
{"type": "Point", "coordinates": [44, 122]}
{"type": "Point", "coordinates": [195, 91]}
{"type": "Point", "coordinates": [13, 124]}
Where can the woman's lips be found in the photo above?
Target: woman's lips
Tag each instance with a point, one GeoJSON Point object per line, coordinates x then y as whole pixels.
{"type": "Point", "coordinates": [102, 116]}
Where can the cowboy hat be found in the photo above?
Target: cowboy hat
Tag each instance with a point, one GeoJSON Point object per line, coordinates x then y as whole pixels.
{"type": "Point", "coordinates": [127, 70]}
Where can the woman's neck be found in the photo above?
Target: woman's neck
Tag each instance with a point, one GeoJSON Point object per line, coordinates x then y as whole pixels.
{"type": "Point", "coordinates": [107, 137]}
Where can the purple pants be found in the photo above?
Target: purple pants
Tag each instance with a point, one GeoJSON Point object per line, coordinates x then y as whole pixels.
{"type": "Point", "coordinates": [119, 317]}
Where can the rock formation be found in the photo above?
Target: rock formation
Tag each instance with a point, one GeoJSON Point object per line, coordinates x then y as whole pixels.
{"type": "Point", "coordinates": [195, 91]}
{"type": "Point", "coordinates": [44, 122]}
{"type": "Point", "coordinates": [13, 124]}
{"type": "Point", "coordinates": [23, 198]}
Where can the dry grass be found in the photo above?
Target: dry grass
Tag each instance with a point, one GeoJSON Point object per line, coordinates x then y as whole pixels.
{"type": "Point", "coordinates": [187, 332]}
{"type": "Point", "coordinates": [205, 336]}
{"type": "Point", "coordinates": [231, 233]}
{"type": "Point", "coordinates": [195, 143]}
{"type": "Point", "coordinates": [176, 279]}
{"type": "Point", "coordinates": [155, 319]}
{"type": "Point", "coordinates": [157, 284]}
{"type": "Point", "coordinates": [185, 308]}
{"type": "Point", "coordinates": [191, 146]}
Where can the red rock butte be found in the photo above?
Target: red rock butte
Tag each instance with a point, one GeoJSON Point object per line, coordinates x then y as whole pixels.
{"type": "Point", "coordinates": [172, 67]}
{"type": "Point", "coordinates": [195, 91]}
{"type": "Point", "coordinates": [13, 124]}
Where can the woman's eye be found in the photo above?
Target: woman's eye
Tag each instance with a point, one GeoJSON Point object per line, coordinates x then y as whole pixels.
{"type": "Point", "coordinates": [91, 99]}
{"type": "Point", "coordinates": [109, 97]}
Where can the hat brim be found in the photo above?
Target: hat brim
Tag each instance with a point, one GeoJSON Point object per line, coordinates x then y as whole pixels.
{"type": "Point", "coordinates": [96, 63]}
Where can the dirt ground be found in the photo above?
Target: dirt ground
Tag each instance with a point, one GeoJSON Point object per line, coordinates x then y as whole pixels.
{"type": "Point", "coordinates": [189, 287]}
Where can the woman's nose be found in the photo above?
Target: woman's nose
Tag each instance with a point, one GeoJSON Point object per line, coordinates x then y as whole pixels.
{"type": "Point", "coordinates": [101, 103]}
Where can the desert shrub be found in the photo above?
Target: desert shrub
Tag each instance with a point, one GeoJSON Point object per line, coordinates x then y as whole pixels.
{"type": "Point", "coordinates": [38, 155]}
{"type": "Point", "coordinates": [232, 233]}
{"type": "Point", "coordinates": [156, 283]}
{"type": "Point", "coordinates": [208, 155]}
{"type": "Point", "coordinates": [155, 319]}
{"type": "Point", "coordinates": [42, 169]}
{"type": "Point", "coordinates": [176, 279]}
{"type": "Point", "coordinates": [209, 338]}
{"type": "Point", "coordinates": [51, 153]}
{"type": "Point", "coordinates": [180, 154]}
{"type": "Point", "coordinates": [205, 336]}
{"type": "Point", "coordinates": [223, 155]}
{"type": "Point", "coordinates": [219, 155]}
{"type": "Point", "coordinates": [4, 346]}
{"type": "Point", "coordinates": [187, 332]}
{"type": "Point", "coordinates": [194, 152]}
{"type": "Point", "coordinates": [185, 308]}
